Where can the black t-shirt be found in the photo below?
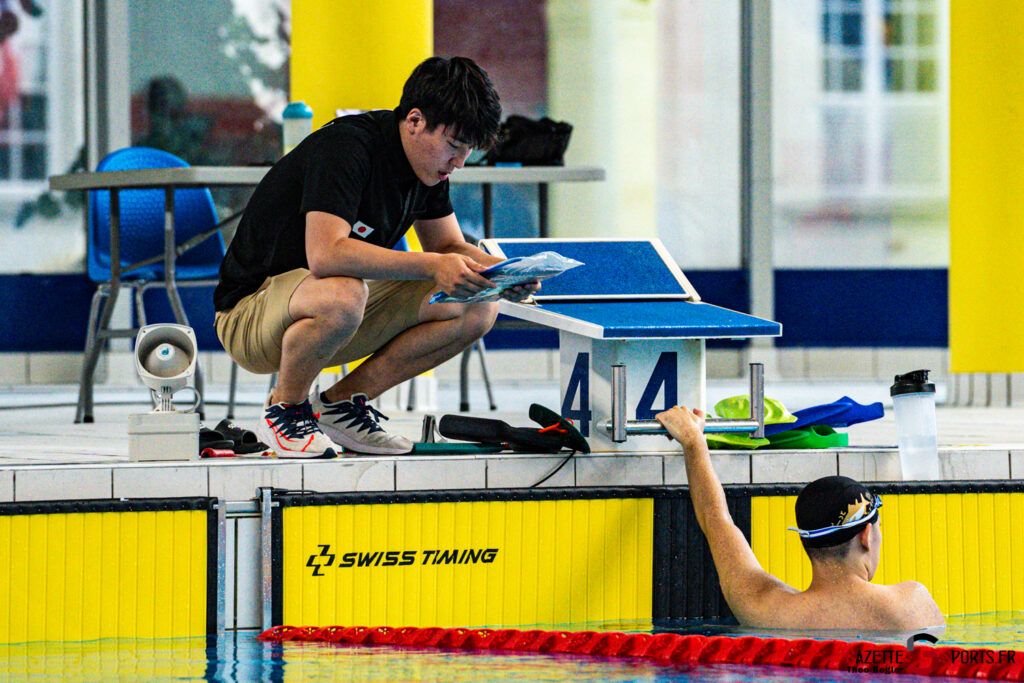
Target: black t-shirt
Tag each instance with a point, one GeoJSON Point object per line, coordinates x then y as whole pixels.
{"type": "Point", "coordinates": [353, 167]}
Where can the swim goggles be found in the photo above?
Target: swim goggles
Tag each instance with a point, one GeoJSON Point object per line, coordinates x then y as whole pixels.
{"type": "Point", "coordinates": [865, 515]}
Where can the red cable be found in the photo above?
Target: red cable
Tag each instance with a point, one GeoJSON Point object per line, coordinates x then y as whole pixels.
{"type": "Point", "coordinates": [689, 649]}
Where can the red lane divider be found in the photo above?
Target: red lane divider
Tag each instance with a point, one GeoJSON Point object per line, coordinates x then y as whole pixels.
{"type": "Point", "coordinates": [672, 648]}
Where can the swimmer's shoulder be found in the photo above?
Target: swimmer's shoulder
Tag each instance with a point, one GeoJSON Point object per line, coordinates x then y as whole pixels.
{"type": "Point", "coordinates": [912, 605]}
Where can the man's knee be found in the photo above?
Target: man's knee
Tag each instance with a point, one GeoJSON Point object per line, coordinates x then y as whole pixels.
{"type": "Point", "coordinates": [338, 302]}
{"type": "Point", "coordinates": [479, 318]}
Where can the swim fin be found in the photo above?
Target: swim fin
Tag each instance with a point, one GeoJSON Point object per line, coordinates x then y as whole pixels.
{"type": "Point", "coordinates": [556, 433]}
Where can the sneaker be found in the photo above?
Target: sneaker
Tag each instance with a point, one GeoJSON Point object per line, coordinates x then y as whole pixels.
{"type": "Point", "coordinates": [293, 432]}
{"type": "Point", "coordinates": [355, 426]}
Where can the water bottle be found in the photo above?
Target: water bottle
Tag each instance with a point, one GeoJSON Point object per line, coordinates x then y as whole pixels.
{"type": "Point", "coordinates": [298, 123]}
{"type": "Point", "coordinates": [913, 401]}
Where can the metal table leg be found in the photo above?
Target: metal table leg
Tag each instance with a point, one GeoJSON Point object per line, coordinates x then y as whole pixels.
{"type": "Point", "coordinates": [94, 336]}
{"type": "Point", "coordinates": [485, 189]}
{"type": "Point", "coordinates": [170, 255]}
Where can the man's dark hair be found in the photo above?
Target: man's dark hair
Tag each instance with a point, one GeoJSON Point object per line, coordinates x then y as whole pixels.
{"type": "Point", "coordinates": [831, 553]}
{"type": "Point", "coordinates": [455, 93]}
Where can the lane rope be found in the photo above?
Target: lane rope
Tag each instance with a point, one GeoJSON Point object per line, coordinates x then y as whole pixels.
{"type": "Point", "coordinates": [673, 648]}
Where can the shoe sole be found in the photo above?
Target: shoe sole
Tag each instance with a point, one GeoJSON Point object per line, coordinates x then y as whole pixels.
{"type": "Point", "coordinates": [352, 446]}
{"type": "Point", "coordinates": [296, 455]}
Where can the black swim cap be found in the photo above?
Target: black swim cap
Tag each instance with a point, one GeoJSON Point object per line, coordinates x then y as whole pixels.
{"type": "Point", "coordinates": [828, 504]}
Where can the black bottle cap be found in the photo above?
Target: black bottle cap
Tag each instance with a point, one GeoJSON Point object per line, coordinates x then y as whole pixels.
{"type": "Point", "coordinates": [915, 382]}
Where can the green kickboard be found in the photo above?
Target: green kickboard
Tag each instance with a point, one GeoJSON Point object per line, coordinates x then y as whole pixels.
{"type": "Point", "coordinates": [459, 448]}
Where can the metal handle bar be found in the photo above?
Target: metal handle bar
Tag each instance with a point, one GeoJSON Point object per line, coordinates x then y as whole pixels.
{"type": "Point", "coordinates": [619, 427]}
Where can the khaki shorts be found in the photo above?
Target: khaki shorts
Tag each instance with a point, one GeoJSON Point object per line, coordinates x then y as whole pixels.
{"type": "Point", "coordinates": [253, 330]}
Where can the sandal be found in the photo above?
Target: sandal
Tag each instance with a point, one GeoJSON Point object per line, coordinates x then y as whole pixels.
{"type": "Point", "coordinates": [212, 438]}
{"type": "Point", "coordinates": [243, 441]}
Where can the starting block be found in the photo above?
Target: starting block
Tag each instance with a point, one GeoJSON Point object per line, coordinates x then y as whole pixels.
{"type": "Point", "coordinates": [632, 332]}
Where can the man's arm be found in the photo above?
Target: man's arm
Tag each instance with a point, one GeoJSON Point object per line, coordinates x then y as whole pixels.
{"type": "Point", "coordinates": [444, 236]}
{"type": "Point", "coordinates": [330, 253]}
{"type": "Point", "coordinates": [744, 583]}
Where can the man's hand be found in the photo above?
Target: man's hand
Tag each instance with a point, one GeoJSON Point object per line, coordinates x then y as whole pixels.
{"type": "Point", "coordinates": [459, 275]}
{"type": "Point", "coordinates": [684, 426]}
{"type": "Point", "coordinates": [517, 293]}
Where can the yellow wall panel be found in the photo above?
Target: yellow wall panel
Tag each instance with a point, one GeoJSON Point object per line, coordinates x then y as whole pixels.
{"type": "Point", "coordinates": [339, 59]}
{"type": "Point", "coordinates": [468, 563]}
{"type": "Point", "coordinates": [967, 548]}
{"type": "Point", "coordinates": [986, 202]}
{"type": "Point", "coordinates": [89, 575]}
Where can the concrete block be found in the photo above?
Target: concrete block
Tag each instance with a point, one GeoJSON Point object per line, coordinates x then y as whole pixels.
{"type": "Point", "coordinates": [63, 483]}
{"type": "Point", "coordinates": [871, 465]}
{"type": "Point", "coordinates": [973, 465]}
{"type": "Point", "coordinates": [792, 467]}
{"type": "Point", "coordinates": [58, 368]}
{"type": "Point", "coordinates": [234, 481]}
{"type": "Point", "coordinates": [620, 470]}
{"type": "Point", "coordinates": [6, 486]}
{"type": "Point", "coordinates": [349, 474]}
{"type": "Point", "coordinates": [840, 363]}
{"type": "Point", "coordinates": [161, 481]}
{"type": "Point", "coordinates": [732, 467]}
{"type": "Point", "coordinates": [515, 472]}
{"type": "Point", "coordinates": [896, 361]}
{"type": "Point", "coordinates": [1016, 464]}
{"type": "Point", "coordinates": [13, 368]}
{"type": "Point", "coordinates": [444, 473]}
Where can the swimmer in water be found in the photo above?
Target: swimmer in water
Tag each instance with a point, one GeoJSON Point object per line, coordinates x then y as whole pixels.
{"type": "Point", "coordinates": [840, 527]}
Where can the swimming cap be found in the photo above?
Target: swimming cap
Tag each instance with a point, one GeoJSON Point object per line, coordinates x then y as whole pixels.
{"type": "Point", "coordinates": [832, 510]}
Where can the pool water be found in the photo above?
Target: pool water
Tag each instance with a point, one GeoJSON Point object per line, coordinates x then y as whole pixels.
{"type": "Point", "coordinates": [241, 657]}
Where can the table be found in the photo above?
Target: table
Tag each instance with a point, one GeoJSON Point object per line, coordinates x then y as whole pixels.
{"type": "Point", "coordinates": [541, 176]}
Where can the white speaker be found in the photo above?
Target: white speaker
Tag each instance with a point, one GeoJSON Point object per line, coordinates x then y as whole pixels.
{"type": "Point", "coordinates": [165, 358]}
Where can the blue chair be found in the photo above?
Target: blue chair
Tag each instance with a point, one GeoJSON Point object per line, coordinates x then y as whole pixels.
{"type": "Point", "coordinates": [198, 253]}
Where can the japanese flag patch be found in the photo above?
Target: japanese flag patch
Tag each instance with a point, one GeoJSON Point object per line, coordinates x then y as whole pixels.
{"type": "Point", "coordinates": [362, 229]}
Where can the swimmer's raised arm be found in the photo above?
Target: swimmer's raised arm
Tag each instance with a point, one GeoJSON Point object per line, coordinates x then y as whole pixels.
{"type": "Point", "coordinates": [745, 584]}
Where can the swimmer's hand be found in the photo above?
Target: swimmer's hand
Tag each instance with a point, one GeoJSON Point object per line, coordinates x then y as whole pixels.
{"type": "Point", "coordinates": [520, 292]}
{"type": "Point", "coordinates": [459, 275]}
{"type": "Point", "coordinates": [684, 425]}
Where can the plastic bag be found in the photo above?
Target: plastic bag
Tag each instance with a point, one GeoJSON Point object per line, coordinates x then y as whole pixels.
{"type": "Point", "coordinates": [515, 271]}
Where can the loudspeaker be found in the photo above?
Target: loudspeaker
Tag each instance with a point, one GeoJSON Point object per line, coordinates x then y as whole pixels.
{"type": "Point", "coordinates": [165, 358]}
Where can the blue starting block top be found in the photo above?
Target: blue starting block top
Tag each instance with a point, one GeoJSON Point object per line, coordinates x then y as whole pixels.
{"type": "Point", "coordinates": [645, 320]}
{"type": "Point", "coordinates": [612, 269]}
{"type": "Point", "coordinates": [627, 289]}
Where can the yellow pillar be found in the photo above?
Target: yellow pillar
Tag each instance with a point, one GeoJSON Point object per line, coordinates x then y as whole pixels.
{"type": "Point", "coordinates": [986, 194]}
{"type": "Point", "coordinates": [354, 54]}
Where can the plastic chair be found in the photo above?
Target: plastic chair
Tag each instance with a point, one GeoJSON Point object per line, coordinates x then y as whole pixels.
{"type": "Point", "coordinates": [198, 254]}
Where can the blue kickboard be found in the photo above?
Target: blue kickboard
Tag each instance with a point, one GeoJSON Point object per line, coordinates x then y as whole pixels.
{"type": "Point", "coordinates": [614, 268]}
{"type": "Point", "coordinates": [660, 319]}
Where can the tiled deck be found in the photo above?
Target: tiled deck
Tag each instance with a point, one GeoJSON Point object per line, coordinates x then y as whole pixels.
{"type": "Point", "coordinates": [44, 456]}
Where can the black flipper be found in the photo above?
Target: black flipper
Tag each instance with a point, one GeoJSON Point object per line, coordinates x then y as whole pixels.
{"type": "Point", "coordinates": [571, 437]}
{"type": "Point", "coordinates": [488, 431]}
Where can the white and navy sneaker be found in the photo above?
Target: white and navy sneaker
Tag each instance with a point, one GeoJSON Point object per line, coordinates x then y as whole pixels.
{"type": "Point", "coordinates": [355, 426]}
{"type": "Point", "coordinates": [292, 431]}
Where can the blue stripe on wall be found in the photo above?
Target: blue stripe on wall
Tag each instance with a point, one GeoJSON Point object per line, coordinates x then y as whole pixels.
{"type": "Point", "coordinates": [44, 312]}
{"type": "Point", "coordinates": [818, 308]}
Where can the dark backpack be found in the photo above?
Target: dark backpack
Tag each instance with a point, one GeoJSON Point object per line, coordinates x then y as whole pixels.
{"type": "Point", "coordinates": [531, 142]}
